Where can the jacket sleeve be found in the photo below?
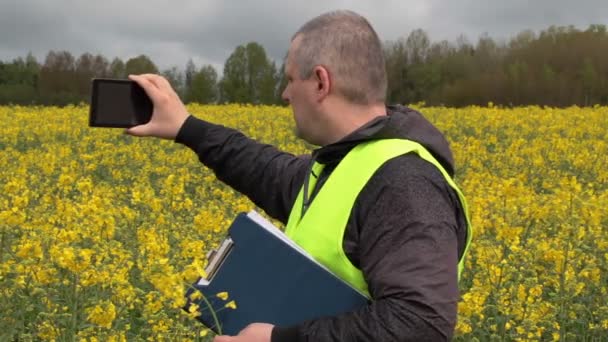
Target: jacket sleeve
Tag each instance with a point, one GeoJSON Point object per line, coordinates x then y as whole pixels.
{"type": "Point", "coordinates": [406, 229]}
{"type": "Point", "coordinates": [269, 177]}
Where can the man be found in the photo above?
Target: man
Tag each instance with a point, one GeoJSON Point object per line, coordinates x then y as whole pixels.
{"type": "Point", "coordinates": [399, 220]}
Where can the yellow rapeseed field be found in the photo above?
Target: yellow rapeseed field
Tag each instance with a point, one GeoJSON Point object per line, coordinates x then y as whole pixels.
{"type": "Point", "coordinates": [100, 232]}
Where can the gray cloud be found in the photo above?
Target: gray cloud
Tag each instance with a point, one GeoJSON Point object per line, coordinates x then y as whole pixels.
{"type": "Point", "coordinates": [207, 31]}
{"type": "Point", "coordinates": [504, 19]}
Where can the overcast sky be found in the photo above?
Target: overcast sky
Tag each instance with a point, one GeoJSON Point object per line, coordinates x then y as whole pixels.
{"type": "Point", "coordinates": [172, 31]}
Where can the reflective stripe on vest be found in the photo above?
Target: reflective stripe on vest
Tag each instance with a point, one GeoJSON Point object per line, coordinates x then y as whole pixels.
{"type": "Point", "coordinates": [320, 231]}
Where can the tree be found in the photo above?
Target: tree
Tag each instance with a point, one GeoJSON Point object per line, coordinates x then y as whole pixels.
{"type": "Point", "coordinates": [249, 76]}
{"type": "Point", "coordinates": [117, 68]}
{"type": "Point", "coordinates": [204, 86]}
{"type": "Point", "coordinates": [399, 82]}
{"type": "Point", "coordinates": [32, 68]}
{"type": "Point", "coordinates": [175, 78]}
{"type": "Point", "coordinates": [234, 86]}
{"type": "Point", "coordinates": [18, 81]}
{"type": "Point", "coordinates": [487, 55]}
{"type": "Point", "coordinates": [84, 74]}
{"type": "Point", "coordinates": [590, 82]}
{"type": "Point", "coordinates": [141, 64]}
{"type": "Point", "coordinates": [267, 85]}
{"type": "Point", "coordinates": [417, 46]}
{"type": "Point", "coordinates": [281, 84]}
{"type": "Point", "coordinates": [189, 75]}
{"type": "Point", "coordinates": [57, 81]}
{"type": "Point", "coordinates": [88, 67]}
{"type": "Point", "coordinates": [100, 66]}
{"type": "Point", "coordinates": [558, 66]}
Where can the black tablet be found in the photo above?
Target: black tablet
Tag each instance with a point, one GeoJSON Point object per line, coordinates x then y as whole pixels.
{"type": "Point", "coordinates": [118, 103]}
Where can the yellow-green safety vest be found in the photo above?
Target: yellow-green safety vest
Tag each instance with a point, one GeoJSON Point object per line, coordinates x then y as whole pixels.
{"type": "Point", "coordinates": [320, 231]}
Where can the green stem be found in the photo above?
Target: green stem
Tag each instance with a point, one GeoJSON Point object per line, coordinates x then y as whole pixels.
{"type": "Point", "coordinates": [74, 306]}
{"type": "Point", "coordinates": [562, 290]}
{"type": "Point", "coordinates": [214, 314]}
{"type": "Point", "coordinates": [562, 282]}
{"type": "Point", "coordinates": [2, 239]}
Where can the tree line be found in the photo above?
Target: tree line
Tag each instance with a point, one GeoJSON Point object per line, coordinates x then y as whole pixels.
{"type": "Point", "coordinates": [559, 66]}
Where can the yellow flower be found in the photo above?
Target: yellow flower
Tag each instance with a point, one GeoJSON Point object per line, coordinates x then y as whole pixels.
{"type": "Point", "coordinates": [30, 249]}
{"type": "Point", "coordinates": [90, 211]}
{"type": "Point", "coordinates": [231, 305]}
{"type": "Point", "coordinates": [193, 308]}
{"type": "Point", "coordinates": [102, 314]}
{"type": "Point", "coordinates": [47, 331]}
{"type": "Point", "coordinates": [195, 295]}
{"type": "Point", "coordinates": [222, 295]}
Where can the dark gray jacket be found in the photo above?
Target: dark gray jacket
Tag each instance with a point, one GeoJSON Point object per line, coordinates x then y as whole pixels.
{"type": "Point", "coordinates": [406, 230]}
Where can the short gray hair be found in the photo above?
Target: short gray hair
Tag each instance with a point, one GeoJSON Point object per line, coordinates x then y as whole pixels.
{"type": "Point", "coordinates": [346, 44]}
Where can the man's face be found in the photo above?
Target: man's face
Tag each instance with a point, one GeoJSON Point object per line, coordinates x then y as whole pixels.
{"type": "Point", "coordinates": [299, 93]}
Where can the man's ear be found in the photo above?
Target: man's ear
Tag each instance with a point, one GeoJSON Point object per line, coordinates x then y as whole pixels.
{"type": "Point", "coordinates": [323, 80]}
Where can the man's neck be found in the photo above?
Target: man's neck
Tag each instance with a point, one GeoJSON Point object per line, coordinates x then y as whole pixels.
{"type": "Point", "coordinates": [350, 117]}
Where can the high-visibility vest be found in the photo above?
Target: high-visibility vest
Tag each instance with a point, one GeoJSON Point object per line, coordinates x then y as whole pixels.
{"type": "Point", "coordinates": [320, 231]}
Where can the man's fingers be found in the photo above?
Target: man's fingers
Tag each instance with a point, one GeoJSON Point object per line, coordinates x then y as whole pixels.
{"type": "Point", "coordinates": [154, 79]}
{"type": "Point", "coordinates": [149, 86]}
{"type": "Point", "coordinates": [139, 131]}
{"type": "Point", "coordinates": [169, 112]}
{"type": "Point", "coordinates": [159, 81]}
{"type": "Point", "coordinates": [163, 83]}
{"type": "Point", "coordinates": [223, 338]}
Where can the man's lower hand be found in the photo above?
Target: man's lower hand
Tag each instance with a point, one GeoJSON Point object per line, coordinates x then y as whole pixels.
{"type": "Point", "coordinates": [169, 112]}
{"type": "Point", "coordinates": [256, 332]}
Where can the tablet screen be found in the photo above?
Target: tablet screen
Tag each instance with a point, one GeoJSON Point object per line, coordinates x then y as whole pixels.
{"type": "Point", "coordinates": [119, 103]}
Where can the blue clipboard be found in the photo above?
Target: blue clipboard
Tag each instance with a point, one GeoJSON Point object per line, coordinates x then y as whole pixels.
{"type": "Point", "coordinates": [271, 280]}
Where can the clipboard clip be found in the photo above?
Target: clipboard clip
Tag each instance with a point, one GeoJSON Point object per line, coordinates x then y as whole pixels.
{"type": "Point", "coordinates": [216, 258]}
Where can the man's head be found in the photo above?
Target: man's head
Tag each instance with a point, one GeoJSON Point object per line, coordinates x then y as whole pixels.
{"type": "Point", "coordinates": [334, 60]}
{"type": "Point", "coordinates": [346, 44]}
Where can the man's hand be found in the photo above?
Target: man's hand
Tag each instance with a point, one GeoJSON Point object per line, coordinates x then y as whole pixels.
{"type": "Point", "coordinates": [256, 332]}
{"type": "Point", "coordinates": [169, 112]}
